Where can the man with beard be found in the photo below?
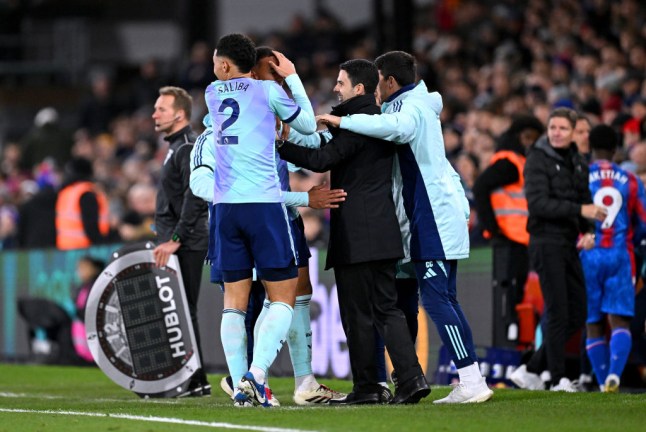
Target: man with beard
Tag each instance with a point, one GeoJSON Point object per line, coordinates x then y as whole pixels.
{"type": "Point", "coordinates": [365, 240]}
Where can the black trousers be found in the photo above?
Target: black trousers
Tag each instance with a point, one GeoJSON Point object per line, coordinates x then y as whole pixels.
{"type": "Point", "coordinates": [191, 263]}
{"type": "Point", "coordinates": [367, 300]}
{"type": "Point", "coordinates": [563, 287]}
{"type": "Point", "coordinates": [408, 302]}
{"type": "Point", "coordinates": [510, 269]}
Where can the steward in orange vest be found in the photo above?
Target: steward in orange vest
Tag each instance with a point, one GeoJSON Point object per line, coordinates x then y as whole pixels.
{"type": "Point", "coordinates": [498, 191]}
{"type": "Point", "coordinates": [509, 203]}
{"type": "Point", "coordinates": [502, 213]}
{"type": "Point", "coordinates": [82, 215]}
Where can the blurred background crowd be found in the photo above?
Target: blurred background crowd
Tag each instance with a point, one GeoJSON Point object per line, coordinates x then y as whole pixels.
{"type": "Point", "coordinates": [490, 60]}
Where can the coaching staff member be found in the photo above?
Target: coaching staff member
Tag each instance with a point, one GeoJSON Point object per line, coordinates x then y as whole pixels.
{"type": "Point", "coordinates": [560, 206]}
{"type": "Point", "coordinates": [181, 219]}
{"type": "Point", "coordinates": [365, 241]}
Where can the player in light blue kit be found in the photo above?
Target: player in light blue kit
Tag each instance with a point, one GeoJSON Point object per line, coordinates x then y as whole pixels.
{"type": "Point", "coordinates": [252, 222]}
{"type": "Point", "coordinates": [435, 207]}
{"type": "Point", "coordinates": [609, 267]}
{"type": "Point", "coordinates": [307, 390]}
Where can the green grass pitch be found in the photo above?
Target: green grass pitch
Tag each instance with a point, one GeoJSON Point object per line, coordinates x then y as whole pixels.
{"type": "Point", "coordinates": [52, 399]}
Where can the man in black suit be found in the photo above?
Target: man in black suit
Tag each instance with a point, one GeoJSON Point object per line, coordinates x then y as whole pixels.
{"type": "Point", "coordinates": [365, 240]}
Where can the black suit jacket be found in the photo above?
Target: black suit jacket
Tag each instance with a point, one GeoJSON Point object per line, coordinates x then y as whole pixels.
{"type": "Point", "coordinates": [364, 227]}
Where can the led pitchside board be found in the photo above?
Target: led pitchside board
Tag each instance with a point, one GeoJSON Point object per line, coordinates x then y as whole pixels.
{"type": "Point", "coordinates": [138, 324]}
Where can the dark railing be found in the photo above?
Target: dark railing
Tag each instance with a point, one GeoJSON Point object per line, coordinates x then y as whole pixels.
{"type": "Point", "coordinates": [51, 49]}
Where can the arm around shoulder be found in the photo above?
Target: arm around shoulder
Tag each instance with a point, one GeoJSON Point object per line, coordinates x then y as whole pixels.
{"type": "Point", "coordinates": [399, 127]}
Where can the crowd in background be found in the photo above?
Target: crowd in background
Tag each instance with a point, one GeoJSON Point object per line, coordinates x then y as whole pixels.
{"type": "Point", "coordinates": [489, 64]}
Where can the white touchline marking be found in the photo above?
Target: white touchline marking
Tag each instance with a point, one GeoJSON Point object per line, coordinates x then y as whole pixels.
{"type": "Point", "coordinates": [155, 419]}
{"type": "Point", "coordinates": [47, 396]}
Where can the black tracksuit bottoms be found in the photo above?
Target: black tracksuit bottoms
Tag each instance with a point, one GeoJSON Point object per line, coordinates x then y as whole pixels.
{"type": "Point", "coordinates": [510, 269]}
{"type": "Point", "coordinates": [563, 287]}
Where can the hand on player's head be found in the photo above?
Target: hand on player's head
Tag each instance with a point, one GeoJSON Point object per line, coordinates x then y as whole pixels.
{"type": "Point", "coordinates": [284, 67]}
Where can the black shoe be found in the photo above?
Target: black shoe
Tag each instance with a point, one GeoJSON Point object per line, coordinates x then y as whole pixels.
{"type": "Point", "coordinates": [411, 391]}
{"type": "Point", "coordinates": [357, 399]}
{"type": "Point", "coordinates": [385, 395]}
{"type": "Point", "coordinates": [197, 388]}
{"type": "Point", "coordinates": [194, 389]}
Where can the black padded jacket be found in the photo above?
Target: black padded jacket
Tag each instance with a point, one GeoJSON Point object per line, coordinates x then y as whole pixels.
{"type": "Point", "coordinates": [555, 187]}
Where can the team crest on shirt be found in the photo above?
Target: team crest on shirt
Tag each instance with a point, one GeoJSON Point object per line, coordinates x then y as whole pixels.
{"type": "Point", "coordinates": [168, 155]}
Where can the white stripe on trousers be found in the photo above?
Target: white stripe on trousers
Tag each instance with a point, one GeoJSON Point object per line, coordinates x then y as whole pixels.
{"type": "Point", "coordinates": [456, 341]}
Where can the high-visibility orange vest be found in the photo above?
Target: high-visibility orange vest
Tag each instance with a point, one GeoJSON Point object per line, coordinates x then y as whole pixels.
{"type": "Point", "coordinates": [509, 202]}
{"type": "Point", "coordinates": [69, 225]}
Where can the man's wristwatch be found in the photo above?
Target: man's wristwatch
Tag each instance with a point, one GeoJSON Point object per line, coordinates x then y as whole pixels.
{"type": "Point", "coordinates": [279, 143]}
{"type": "Point", "coordinates": [176, 238]}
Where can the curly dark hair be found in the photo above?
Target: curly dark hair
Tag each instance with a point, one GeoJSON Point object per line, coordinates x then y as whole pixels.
{"type": "Point", "coordinates": [239, 49]}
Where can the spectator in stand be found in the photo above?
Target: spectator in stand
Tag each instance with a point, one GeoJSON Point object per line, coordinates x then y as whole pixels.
{"type": "Point", "coordinates": [502, 213]}
{"type": "Point", "coordinates": [198, 73]}
{"type": "Point", "coordinates": [11, 173]}
{"type": "Point", "coordinates": [136, 224]}
{"type": "Point", "coordinates": [46, 139]}
{"type": "Point", "coordinates": [633, 129]}
{"type": "Point", "coordinates": [100, 107]}
{"type": "Point", "coordinates": [636, 162]}
{"type": "Point", "coordinates": [609, 267]}
{"type": "Point", "coordinates": [581, 136]}
{"type": "Point", "coordinates": [144, 88]}
{"type": "Point", "coordinates": [37, 215]}
{"type": "Point", "coordinates": [559, 204]}
{"type": "Point", "coordinates": [8, 220]}
{"type": "Point", "coordinates": [467, 166]}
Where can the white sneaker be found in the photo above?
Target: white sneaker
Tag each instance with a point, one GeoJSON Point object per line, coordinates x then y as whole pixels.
{"type": "Point", "coordinates": [463, 393]}
{"type": "Point", "coordinates": [250, 389]}
{"type": "Point", "coordinates": [564, 385]}
{"type": "Point", "coordinates": [546, 377]}
{"type": "Point", "coordinates": [583, 384]}
{"type": "Point", "coordinates": [241, 402]}
{"type": "Point", "coordinates": [526, 380]}
{"type": "Point", "coordinates": [612, 384]}
{"type": "Point", "coordinates": [226, 384]}
{"type": "Point", "coordinates": [271, 398]}
{"type": "Point", "coordinates": [318, 396]}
